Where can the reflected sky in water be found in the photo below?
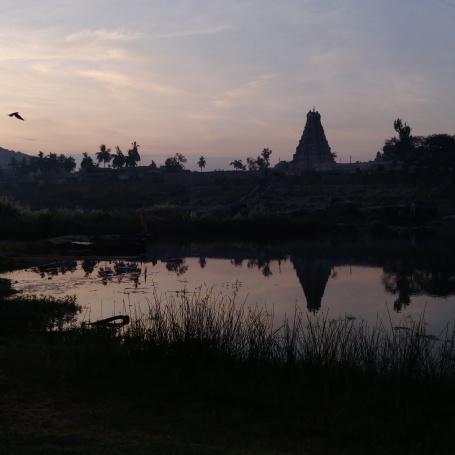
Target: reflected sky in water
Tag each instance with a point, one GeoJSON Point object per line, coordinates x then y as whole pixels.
{"type": "Point", "coordinates": [107, 288]}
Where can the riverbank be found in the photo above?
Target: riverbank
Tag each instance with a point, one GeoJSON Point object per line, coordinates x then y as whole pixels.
{"type": "Point", "coordinates": [346, 241]}
{"type": "Point", "coordinates": [226, 206]}
{"type": "Point", "coordinates": [218, 382]}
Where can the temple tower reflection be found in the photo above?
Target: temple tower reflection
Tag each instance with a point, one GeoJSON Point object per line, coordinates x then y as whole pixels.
{"type": "Point", "coordinates": [313, 275]}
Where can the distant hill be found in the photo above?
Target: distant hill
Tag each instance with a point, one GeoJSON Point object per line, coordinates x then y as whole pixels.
{"type": "Point", "coordinates": [6, 155]}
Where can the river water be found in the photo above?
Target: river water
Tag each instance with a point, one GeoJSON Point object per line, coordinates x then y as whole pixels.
{"type": "Point", "coordinates": [393, 281]}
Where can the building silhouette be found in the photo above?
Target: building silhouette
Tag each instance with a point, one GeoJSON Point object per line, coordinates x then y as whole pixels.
{"type": "Point", "coordinates": [313, 152]}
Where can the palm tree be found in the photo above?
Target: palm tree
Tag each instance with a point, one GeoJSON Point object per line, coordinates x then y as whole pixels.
{"type": "Point", "coordinates": [104, 155]}
{"type": "Point", "coordinates": [133, 155]}
{"type": "Point", "coordinates": [201, 162]}
{"type": "Point", "coordinates": [119, 159]}
{"type": "Point", "coordinates": [69, 164]}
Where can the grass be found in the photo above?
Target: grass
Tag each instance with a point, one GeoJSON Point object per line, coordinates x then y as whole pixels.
{"type": "Point", "coordinates": [222, 329]}
{"type": "Point", "coordinates": [203, 373]}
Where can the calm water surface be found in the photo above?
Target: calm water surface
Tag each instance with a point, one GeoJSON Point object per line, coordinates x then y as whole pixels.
{"type": "Point", "coordinates": [393, 281]}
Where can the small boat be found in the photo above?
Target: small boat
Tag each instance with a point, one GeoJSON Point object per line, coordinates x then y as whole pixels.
{"type": "Point", "coordinates": [109, 322]}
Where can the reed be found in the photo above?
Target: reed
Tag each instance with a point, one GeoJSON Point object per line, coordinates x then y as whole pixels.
{"type": "Point", "coordinates": [205, 325]}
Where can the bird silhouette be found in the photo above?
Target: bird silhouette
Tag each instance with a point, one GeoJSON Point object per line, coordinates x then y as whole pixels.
{"type": "Point", "coordinates": [16, 114]}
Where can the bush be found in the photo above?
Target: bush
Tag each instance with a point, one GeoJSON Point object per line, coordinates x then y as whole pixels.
{"type": "Point", "coordinates": [21, 314]}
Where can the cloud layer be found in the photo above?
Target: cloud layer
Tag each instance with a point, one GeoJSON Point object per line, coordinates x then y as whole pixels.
{"type": "Point", "coordinates": [223, 79]}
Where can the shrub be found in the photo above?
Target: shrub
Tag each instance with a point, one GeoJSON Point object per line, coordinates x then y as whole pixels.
{"type": "Point", "coordinates": [22, 314]}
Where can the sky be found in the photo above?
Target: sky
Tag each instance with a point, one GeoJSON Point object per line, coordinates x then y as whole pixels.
{"type": "Point", "coordinates": [222, 79]}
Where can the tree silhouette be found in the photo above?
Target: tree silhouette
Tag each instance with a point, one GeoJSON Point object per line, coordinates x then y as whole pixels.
{"type": "Point", "coordinates": [133, 156]}
{"type": "Point", "coordinates": [252, 164]}
{"type": "Point", "coordinates": [104, 155]}
{"type": "Point", "coordinates": [201, 162]}
{"type": "Point", "coordinates": [68, 164]}
{"type": "Point", "coordinates": [51, 164]}
{"type": "Point", "coordinates": [176, 265]}
{"type": "Point", "coordinates": [238, 165]}
{"type": "Point", "coordinates": [433, 153]}
{"type": "Point", "coordinates": [87, 163]}
{"type": "Point", "coordinates": [265, 155]}
{"type": "Point", "coordinates": [14, 164]}
{"type": "Point", "coordinates": [404, 148]}
{"type": "Point", "coordinates": [22, 168]}
{"type": "Point", "coordinates": [261, 163]}
{"type": "Point", "coordinates": [119, 159]}
{"type": "Point", "coordinates": [175, 163]}
{"type": "Point", "coordinates": [439, 150]}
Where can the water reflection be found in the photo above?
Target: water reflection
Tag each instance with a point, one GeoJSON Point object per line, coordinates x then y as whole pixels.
{"type": "Point", "coordinates": [54, 269]}
{"type": "Point", "coordinates": [88, 266]}
{"type": "Point", "coordinates": [263, 264]}
{"type": "Point", "coordinates": [406, 273]}
{"type": "Point", "coordinates": [313, 276]}
{"type": "Point", "coordinates": [428, 276]}
{"type": "Point", "coordinates": [176, 265]}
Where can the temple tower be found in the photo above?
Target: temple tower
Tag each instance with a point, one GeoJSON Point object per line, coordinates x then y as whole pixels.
{"type": "Point", "coordinates": [313, 152]}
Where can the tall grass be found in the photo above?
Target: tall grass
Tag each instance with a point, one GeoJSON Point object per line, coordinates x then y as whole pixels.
{"type": "Point", "coordinates": [203, 325]}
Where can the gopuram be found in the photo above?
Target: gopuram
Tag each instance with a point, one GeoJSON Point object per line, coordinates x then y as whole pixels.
{"type": "Point", "coordinates": [313, 152]}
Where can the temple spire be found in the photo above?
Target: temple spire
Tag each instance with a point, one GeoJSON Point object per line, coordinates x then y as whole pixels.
{"type": "Point", "coordinates": [313, 151]}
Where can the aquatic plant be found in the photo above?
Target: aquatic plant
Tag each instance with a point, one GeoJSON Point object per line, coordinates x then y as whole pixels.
{"type": "Point", "coordinates": [205, 325]}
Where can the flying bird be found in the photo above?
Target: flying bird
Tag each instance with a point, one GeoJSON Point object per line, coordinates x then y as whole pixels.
{"type": "Point", "coordinates": [16, 114]}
